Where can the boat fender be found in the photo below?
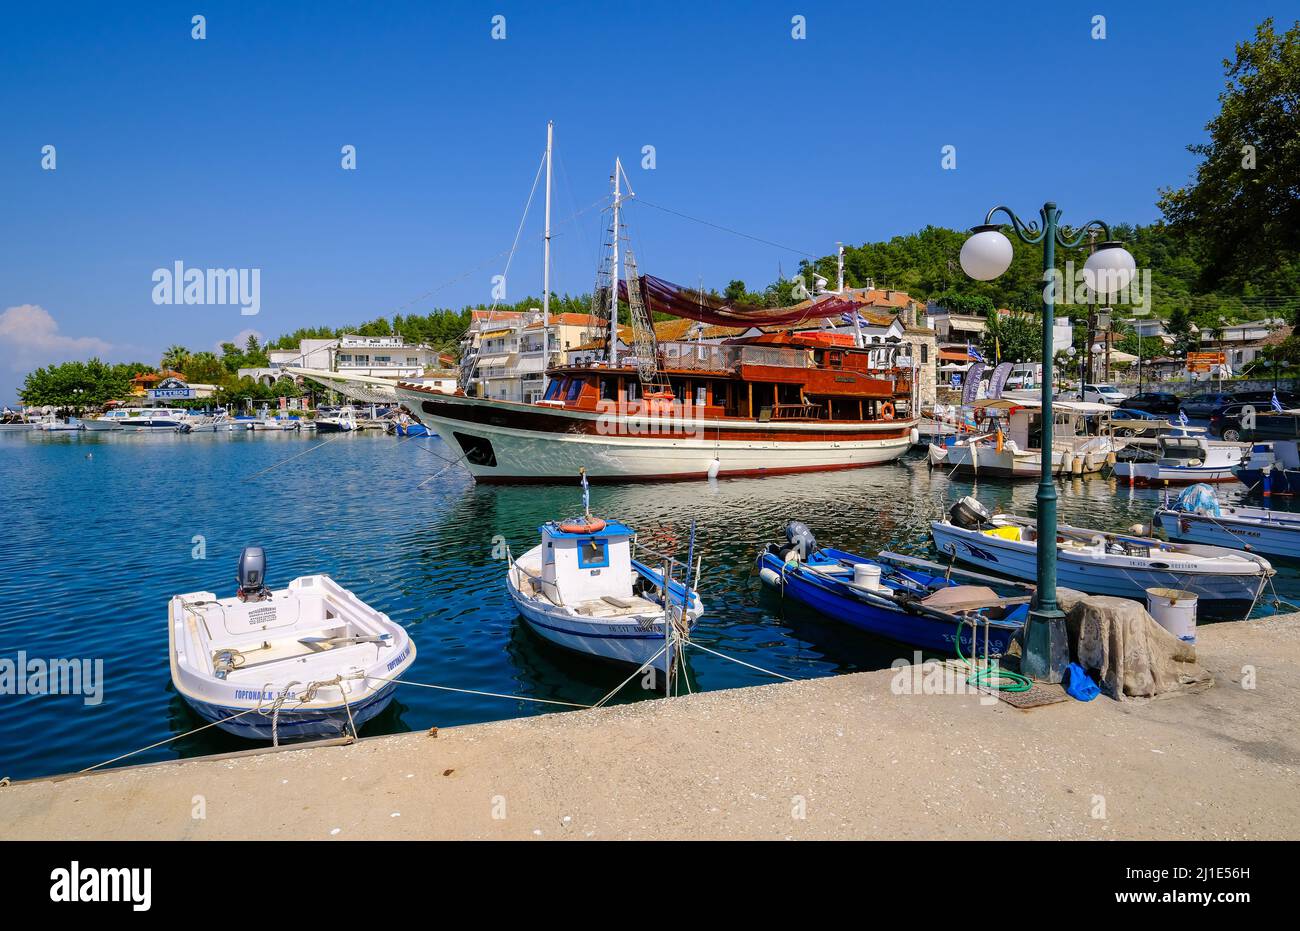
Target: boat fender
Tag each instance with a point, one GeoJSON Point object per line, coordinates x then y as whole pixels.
{"type": "Point", "coordinates": [915, 436]}
{"type": "Point", "coordinates": [887, 410]}
{"type": "Point", "coordinates": [770, 577]}
{"type": "Point", "coordinates": [714, 467]}
{"type": "Point", "coordinates": [589, 525]}
{"type": "Point", "coordinates": [1099, 540]}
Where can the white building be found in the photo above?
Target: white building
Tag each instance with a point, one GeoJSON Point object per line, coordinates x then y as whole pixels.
{"type": "Point", "coordinates": [380, 356]}
{"type": "Point", "coordinates": [509, 365]}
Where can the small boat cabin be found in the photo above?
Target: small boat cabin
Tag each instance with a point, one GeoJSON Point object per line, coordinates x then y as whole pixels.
{"type": "Point", "coordinates": [580, 565]}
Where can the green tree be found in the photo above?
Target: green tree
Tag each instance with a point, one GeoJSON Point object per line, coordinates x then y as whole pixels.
{"type": "Point", "coordinates": [174, 358]}
{"type": "Point", "coordinates": [1243, 207]}
{"type": "Point", "coordinates": [1013, 338]}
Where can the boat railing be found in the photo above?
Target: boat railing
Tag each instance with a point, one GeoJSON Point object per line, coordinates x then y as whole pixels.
{"type": "Point", "coordinates": [775, 356]}
{"type": "Point", "coordinates": [702, 357]}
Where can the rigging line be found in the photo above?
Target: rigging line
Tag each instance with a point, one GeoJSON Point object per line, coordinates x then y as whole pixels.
{"type": "Point", "coordinates": [725, 229]}
{"type": "Point", "coordinates": [448, 688]}
{"type": "Point", "coordinates": [249, 478]}
{"type": "Point", "coordinates": [740, 661]}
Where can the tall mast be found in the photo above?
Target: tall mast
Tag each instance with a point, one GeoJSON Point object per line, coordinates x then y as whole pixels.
{"type": "Point", "coordinates": [614, 274]}
{"type": "Point", "coordinates": [546, 264]}
{"type": "Point", "coordinates": [839, 289]}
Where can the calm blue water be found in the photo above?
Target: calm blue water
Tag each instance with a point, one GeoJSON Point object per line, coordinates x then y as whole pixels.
{"type": "Point", "coordinates": [99, 528]}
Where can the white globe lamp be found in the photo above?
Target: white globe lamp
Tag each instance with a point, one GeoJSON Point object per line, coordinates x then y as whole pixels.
{"type": "Point", "coordinates": [986, 254]}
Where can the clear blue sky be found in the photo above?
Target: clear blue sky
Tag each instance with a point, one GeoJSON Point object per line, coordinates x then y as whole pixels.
{"type": "Point", "coordinates": [226, 152]}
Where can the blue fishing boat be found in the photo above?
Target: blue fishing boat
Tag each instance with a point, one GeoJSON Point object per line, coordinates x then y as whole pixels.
{"type": "Point", "coordinates": [889, 600]}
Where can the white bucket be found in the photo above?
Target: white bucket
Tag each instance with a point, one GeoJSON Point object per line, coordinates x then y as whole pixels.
{"type": "Point", "coordinates": [1175, 611]}
{"type": "Point", "coordinates": [866, 576]}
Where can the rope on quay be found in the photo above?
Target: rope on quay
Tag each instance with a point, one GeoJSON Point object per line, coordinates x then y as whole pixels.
{"type": "Point", "coordinates": [168, 740]}
{"type": "Point", "coordinates": [448, 688]}
{"type": "Point", "coordinates": [639, 670]}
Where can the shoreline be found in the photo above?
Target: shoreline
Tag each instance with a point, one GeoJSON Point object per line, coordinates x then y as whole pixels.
{"type": "Point", "coordinates": [831, 758]}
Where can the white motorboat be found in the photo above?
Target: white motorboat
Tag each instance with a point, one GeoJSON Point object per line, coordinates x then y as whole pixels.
{"type": "Point", "coordinates": [1181, 458]}
{"type": "Point", "coordinates": [155, 420]}
{"type": "Point", "coordinates": [581, 589]}
{"type": "Point", "coordinates": [52, 424]}
{"type": "Point", "coordinates": [1100, 563]}
{"type": "Point", "coordinates": [310, 660]}
{"type": "Point", "coordinates": [344, 421]}
{"type": "Point", "coordinates": [1196, 516]}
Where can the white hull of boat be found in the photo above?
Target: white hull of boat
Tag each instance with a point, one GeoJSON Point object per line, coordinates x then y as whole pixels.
{"type": "Point", "coordinates": [1153, 473]}
{"type": "Point", "coordinates": [1258, 530]}
{"type": "Point", "coordinates": [1007, 463]}
{"type": "Point", "coordinates": [1213, 573]}
{"type": "Point", "coordinates": [634, 637]}
{"type": "Point", "coordinates": [322, 690]}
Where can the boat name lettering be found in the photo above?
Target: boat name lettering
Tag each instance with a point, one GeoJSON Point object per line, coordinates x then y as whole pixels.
{"type": "Point", "coordinates": [260, 695]}
{"type": "Point", "coordinates": [393, 663]}
{"type": "Point", "coordinates": [262, 615]}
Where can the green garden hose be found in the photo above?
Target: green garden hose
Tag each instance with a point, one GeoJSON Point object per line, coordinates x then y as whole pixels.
{"type": "Point", "coordinates": [1001, 680]}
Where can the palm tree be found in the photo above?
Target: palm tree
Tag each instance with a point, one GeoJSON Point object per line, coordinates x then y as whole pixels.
{"type": "Point", "coordinates": [175, 358]}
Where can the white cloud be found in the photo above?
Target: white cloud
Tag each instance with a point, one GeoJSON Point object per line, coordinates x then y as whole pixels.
{"type": "Point", "coordinates": [240, 339]}
{"type": "Point", "coordinates": [30, 338]}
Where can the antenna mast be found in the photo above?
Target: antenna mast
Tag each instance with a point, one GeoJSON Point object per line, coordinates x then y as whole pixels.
{"type": "Point", "coordinates": [546, 265]}
{"type": "Point", "coordinates": [614, 273]}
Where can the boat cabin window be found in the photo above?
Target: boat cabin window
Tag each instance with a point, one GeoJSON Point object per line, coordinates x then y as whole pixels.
{"type": "Point", "coordinates": [553, 389]}
{"type": "Point", "coordinates": [575, 389]}
{"type": "Point", "coordinates": [835, 359]}
{"type": "Point", "coordinates": [608, 389]}
{"type": "Point", "coordinates": [633, 390]}
{"type": "Point", "coordinates": [593, 553]}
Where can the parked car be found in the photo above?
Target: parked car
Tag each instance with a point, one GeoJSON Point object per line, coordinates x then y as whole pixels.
{"type": "Point", "coordinates": [1228, 422]}
{"type": "Point", "coordinates": [1104, 394]}
{"type": "Point", "coordinates": [1287, 399]}
{"type": "Point", "coordinates": [1154, 402]}
{"type": "Point", "coordinates": [1129, 422]}
{"type": "Point", "coordinates": [1204, 404]}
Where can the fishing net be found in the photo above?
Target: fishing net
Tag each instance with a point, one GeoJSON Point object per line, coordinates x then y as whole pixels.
{"type": "Point", "coordinates": [1198, 499]}
{"type": "Point", "coordinates": [1126, 651]}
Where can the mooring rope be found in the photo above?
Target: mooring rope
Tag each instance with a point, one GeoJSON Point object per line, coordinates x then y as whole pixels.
{"type": "Point", "coordinates": [448, 688]}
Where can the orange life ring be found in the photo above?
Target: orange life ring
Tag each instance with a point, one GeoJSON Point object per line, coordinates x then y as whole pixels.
{"type": "Point", "coordinates": [887, 410]}
{"type": "Point", "coordinates": [592, 525]}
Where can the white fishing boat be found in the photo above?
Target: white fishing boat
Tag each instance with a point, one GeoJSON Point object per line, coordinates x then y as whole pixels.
{"type": "Point", "coordinates": [1100, 563]}
{"type": "Point", "coordinates": [581, 589]}
{"type": "Point", "coordinates": [11, 420]}
{"type": "Point", "coordinates": [1181, 458]}
{"type": "Point", "coordinates": [1010, 429]}
{"type": "Point", "coordinates": [1196, 516]}
{"type": "Point", "coordinates": [309, 660]}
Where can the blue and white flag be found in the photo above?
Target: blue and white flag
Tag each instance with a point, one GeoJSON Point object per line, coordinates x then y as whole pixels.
{"type": "Point", "coordinates": [1277, 405]}
{"type": "Point", "coordinates": [974, 355]}
{"type": "Point", "coordinates": [1182, 418]}
{"type": "Point", "coordinates": [586, 494]}
{"type": "Point", "coordinates": [848, 317]}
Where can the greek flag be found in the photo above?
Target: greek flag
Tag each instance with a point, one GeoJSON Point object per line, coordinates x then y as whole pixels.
{"type": "Point", "coordinates": [1182, 421]}
{"type": "Point", "coordinates": [1277, 405]}
{"type": "Point", "coordinates": [848, 317]}
{"type": "Point", "coordinates": [586, 494]}
{"type": "Point", "coordinates": [974, 355]}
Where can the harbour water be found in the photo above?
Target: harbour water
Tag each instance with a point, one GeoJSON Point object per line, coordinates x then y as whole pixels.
{"type": "Point", "coordinates": [102, 529]}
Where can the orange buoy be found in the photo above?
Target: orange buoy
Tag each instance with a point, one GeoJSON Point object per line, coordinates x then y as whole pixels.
{"type": "Point", "coordinates": [591, 525]}
{"type": "Point", "coordinates": [887, 410]}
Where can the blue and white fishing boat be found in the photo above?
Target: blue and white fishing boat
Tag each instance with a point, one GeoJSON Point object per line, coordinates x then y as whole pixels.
{"type": "Point", "coordinates": [1099, 563]}
{"type": "Point", "coordinates": [1185, 457]}
{"type": "Point", "coordinates": [310, 660]}
{"type": "Point", "coordinates": [581, 589]}
{"type": "Point", "coordinates": [901, 604]}
{"type": "Point", "coordinates": [1196, 516]}
{"type": "Point", "coordinates": [1272, 468]}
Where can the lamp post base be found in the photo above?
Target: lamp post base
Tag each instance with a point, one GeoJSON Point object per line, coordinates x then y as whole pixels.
{"type": "Point", "coordinates": [1046, 646]}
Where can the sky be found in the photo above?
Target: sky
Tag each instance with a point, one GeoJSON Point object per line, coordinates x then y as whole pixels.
{"type": "Point", "coordinates": [226, 152]}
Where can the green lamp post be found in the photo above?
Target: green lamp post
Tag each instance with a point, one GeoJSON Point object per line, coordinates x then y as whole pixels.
{"type": "Point", "coordinates": [985, 256]}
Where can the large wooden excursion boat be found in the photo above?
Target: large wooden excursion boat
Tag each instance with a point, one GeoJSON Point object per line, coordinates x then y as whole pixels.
{"type": "Point", "coordinates": [777, 403]}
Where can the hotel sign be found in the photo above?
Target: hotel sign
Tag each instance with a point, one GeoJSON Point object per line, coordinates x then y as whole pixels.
{"type": "Point", "coordinates": [1204, 361]}
{"type": "Point", "coordinates": [171, 389]}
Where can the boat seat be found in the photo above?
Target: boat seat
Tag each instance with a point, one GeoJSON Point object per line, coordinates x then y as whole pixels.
{"type": "Point", "coordinates": [1005, 533]}
{"type": "Point", "coordinates": [964, 596]}
{"type": "Point", "coordinates": [605, 607]}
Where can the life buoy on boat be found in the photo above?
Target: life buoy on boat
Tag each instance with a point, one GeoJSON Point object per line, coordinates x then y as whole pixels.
{"type": "Point", "coordinates": [887, 410]}
{"type": "Point", "coordinates": [590, 525]}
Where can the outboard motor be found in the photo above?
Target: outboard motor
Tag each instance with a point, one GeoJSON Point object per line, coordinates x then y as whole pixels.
{"type": "Point", "coordinates": [968, 514]}
{"type": "Point", "coordinates": [801, 539]}
{"type": "Point", "coordinates": [252, 575]}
